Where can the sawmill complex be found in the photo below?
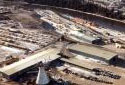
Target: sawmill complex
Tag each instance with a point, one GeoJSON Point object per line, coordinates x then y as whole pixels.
{"type": "Point", "coordinates": [62, 42]}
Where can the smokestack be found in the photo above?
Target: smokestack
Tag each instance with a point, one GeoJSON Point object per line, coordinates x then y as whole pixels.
{"type": "Point", "coordinates": [42, 78]}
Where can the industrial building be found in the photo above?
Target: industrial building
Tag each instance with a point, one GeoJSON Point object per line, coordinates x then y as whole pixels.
{"type": "Point", "coordinates": [11, 71]}
{"type": "Point", "coordinates": [45, 42]}
{"type": "Point", "coordinates": [92, 51]}
{"type": "Point", "coordinates": [81, 37]}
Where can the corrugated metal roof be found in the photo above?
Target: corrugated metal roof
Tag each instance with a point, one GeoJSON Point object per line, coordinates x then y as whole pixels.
{"type": "Point", "coordinates": [83, 36]}
{"type": "Point", "coordinates": [93, 51]}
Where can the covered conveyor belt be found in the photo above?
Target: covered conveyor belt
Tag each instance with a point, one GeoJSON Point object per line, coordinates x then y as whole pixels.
{"type": "Point", "coordinates": [22, 65]}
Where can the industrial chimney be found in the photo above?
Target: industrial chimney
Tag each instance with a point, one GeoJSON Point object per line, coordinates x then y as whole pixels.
{"type": "Point", "coordinates": [42, 78]}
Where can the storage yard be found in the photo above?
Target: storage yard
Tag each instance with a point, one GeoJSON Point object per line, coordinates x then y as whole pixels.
{"type": "Point", "coordinates": [47, 44]}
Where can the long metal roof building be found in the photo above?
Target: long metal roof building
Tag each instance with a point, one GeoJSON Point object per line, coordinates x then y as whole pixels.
{"type": "Point", "coordinates": [92, 51]}
{"type": "Point", "coordinates": [23, 65]}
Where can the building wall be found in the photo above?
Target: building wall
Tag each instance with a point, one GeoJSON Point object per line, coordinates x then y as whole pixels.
{"type": "Point", "coordinates": [116, 61]}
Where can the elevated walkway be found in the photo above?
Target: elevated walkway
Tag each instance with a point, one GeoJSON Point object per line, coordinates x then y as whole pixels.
{"type": "Point", "coordinates": [24, 64]}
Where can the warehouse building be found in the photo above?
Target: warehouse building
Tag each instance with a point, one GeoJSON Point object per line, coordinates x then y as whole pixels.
{"type": "Point", "coordinates": [81, 37]}
{"type": "Point", "coordinates": [94, 52]}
